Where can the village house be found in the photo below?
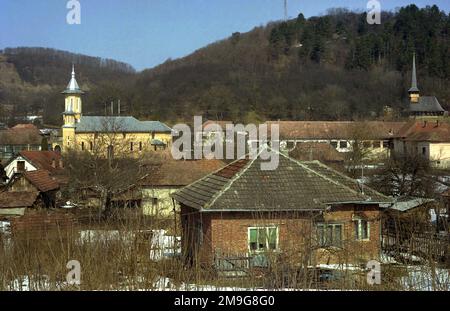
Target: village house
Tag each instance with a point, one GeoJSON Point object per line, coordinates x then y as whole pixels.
{"type": "Point", "coordinates": [108, 135]}
{"type": "Point", "coordinates": [303, 212]}
{"type": "Point", "coordinates": [167, 177]}
{"type": "Point", "coordinates": [371, 135]}
{"type": "Point", "coordinates": [428, 138]}
{"type": "Point", "coordinates": [18, 138]}
{"type": "Point", "coordinates": [36, 181]}
{"type": "Point", "coordinates": [27, 161]}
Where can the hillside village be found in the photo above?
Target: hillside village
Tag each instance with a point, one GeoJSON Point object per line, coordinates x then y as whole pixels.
{"type": "Point", "coordinates": [344, 193]}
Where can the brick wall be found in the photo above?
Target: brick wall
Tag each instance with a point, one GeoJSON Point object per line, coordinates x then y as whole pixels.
{"type": "Point", "coordinates": [228, 233]}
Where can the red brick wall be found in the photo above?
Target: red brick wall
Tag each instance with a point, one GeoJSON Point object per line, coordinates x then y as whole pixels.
{"type": "Point", "coordinates": [353, 251]}
{"type": "Point", "coordinates": [228, 233]}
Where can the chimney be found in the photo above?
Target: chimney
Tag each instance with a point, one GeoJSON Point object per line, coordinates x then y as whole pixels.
{"type": "Point", "coordinates": [437, 123]}
{"type": "Point", "coordinates": [424, 124]}
{"type": "Point", "coordinates": [61, 163]}
{"type": "Point", "coordinates": [118, 108]}
{"type": "Point", "coordinates": [53, 163]}
{"type": "Point", "coordinates": [112, 108]}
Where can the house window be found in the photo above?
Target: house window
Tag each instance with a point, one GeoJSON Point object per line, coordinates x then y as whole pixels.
{"type": "Point", "coordinates": [329, 235]}
{"type": "Point", "coordinates": [262, 239]}
{"type": "Point", "coordinates": [131, 146]}
{"type": "Point", "coordinates": [82, 145]}
{"type": "Point", "coordinates": [91, 146]}
{"type": "Point", "coordinates": [334, 144]}
{"type": "Point", "coordinates": [424, 151]}
{"type": "Point", "coordinates": [367, 144]}
{"type": "Point", "coordinates": [140, 146]}
{"type": "Point", "coordinates": [386, 144]}
{"type": "Point", "coordinates": [362, 230]}
{"type": "Point", "coordinates": [343, 144]}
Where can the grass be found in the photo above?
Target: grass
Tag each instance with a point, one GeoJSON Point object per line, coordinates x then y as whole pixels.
{"type": "Point", "coordinates": [122, 262]}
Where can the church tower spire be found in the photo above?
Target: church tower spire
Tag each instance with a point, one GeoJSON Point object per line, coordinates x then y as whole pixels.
{"type": "Point", "coordinates": [73, 105]}
{"type": "Point", "coordinates": [414, 90]}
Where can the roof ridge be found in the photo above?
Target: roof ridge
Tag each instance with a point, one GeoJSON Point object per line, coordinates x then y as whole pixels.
{"type": "Point", "coordinates": [228, 185]}
{"type": "Point", "coordinates": [208, 175]}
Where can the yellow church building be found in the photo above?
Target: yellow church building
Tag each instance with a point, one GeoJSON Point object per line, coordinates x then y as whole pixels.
{"type": "Point", "coordinates": [120, 135]}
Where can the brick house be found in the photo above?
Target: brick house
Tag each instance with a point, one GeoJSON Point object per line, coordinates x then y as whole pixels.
{"type": "Point", "coordinates": [303, 212]}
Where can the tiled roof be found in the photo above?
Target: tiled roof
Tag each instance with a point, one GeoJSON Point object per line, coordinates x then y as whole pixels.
{"type": "Point", "coordinates": [243, 186]}
{"type": "Point", "coordinates": [42, 180]}
{"type": "Point", "coordinates": [336, 129]}
{"type": "Point", "coordinates": [17, 199]}
{"type": "Point", "coordinates": [44, 160]}
{"type": "Point", "coordinates": [426, 104]}
{"type": "Point", "coordinates": [426, 130]}
{"type": "Point", "coordinates": [180, 173]}
{"type": "Point", "coordinates": [91, 124]}
{"type": "Point", "coordinates": [309, 151]}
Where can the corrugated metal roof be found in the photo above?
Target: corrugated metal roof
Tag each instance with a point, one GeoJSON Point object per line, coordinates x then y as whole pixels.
{"type": "Point", "coordinates": [408, 203]}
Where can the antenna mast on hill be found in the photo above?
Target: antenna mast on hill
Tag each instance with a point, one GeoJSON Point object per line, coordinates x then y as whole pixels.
{"type": "Point", "coordinates": [285, 11]}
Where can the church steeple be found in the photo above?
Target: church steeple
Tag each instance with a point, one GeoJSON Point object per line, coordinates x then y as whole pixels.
{"type": "Point", "coordinates": [414, 90]}
{"type": "Point", "coordinates": [73, 104]}
{"type": "Point", "coordinates": [72, 87]}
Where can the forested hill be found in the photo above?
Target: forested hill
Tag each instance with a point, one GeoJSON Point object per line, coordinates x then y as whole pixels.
{"type": "Point", "coordinates": [32, 78]}
{"type": "Point", "coordinates": [334, 66]}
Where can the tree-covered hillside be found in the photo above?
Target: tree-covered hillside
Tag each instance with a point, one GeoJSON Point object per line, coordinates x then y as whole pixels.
{"type": "Point", "coordinates": [334, 66]}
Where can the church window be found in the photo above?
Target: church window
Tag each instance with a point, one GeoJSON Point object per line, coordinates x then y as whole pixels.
{"type": "Point", "coordinates": [131, 146]}
{"type": "Point", "coordinates": [140, 146]}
